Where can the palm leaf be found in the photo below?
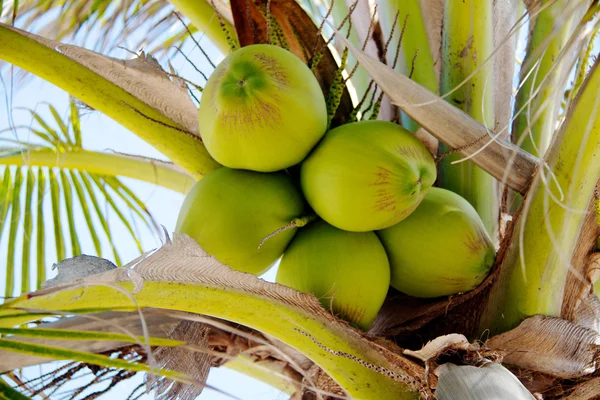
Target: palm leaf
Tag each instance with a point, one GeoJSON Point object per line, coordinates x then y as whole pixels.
{"type": "Point", "coordinates": [27, 230]}
{"type": "Point", "coordinates": [24, 192]}
{"type": "Point", "coordinates": [12, 236]}
{"type": "Point", "coordinates": [161, 112]}
{"type": "Point", "coordinates": [6, 391]}
{"type": "Point", "coordinates": [40, 229]}
{"type": "Point", "coordinates": [113, 21]}
{"type": "Point", "coordinates": [364, 368]}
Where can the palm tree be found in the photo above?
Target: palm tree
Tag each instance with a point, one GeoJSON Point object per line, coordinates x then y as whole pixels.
{"type": "Point", "coordinates": [443, 69]}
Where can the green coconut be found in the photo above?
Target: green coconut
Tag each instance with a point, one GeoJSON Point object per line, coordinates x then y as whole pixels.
{"type": "Point", "coordinates": [442, 248]}
{"type": "Point", "coordinates": [349, 272]}
{"type": "Point", "coordinates": [367, 175]}
{"type": "Point", "coordinates": [229, 213]}
{"type": "Point", "coordinates": [262, 109]}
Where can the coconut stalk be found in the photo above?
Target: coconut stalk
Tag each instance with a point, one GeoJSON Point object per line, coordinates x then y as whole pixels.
{"type": "Point", "coordinates": [215, 23]}
{"type": "Point", "coordinates": [340, 11]}
{"type": "Point", "coordinates": [535, 268]}
{"type": "Point", "coordinates": [416, 55]}
{"type": "Point", "coordinates": [540, 96]}
{"type": "Point", "coordinates": [467, 43]}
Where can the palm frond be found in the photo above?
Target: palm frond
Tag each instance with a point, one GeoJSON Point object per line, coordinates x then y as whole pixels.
{"type": "Point", "coordinates": [134, 24]}
{"type": "Point", "coordinates": [68, 190]}
{"type": "Point", "coordinates": [78, 18]}
{"type": "Point", "coordinates": [6, 391]}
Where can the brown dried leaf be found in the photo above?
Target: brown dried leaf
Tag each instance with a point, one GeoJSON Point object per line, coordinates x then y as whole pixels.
{"type": "Point", "coordinates": [195, 364]}
{"type": "Point", "coordinates": [593, 267]}
{"type": "Point", "coordinates": [433, 17]}
{"type": "Point", "coordinates": [549, 345]}
{"type": "Point", "coordinates": [588, 390]}
{"type": "Point", "coordinates": [587, 313]}
{"type": "Point", "coordinates": [301, 36]}
{"type": "Point", "coordinates": [583, 271]}
{"type": "Point", "coordinates": [439, 345]}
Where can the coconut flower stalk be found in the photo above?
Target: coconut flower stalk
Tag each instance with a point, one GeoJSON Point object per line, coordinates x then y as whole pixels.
{"type": "Point", "coordinates": [216, 24]}
{"type": "Point", "coordinates": [466, 82]}
{"type": "Point", "coordinates": [415, 43]}
{"type": "Point", "coordinates": [543, 74]}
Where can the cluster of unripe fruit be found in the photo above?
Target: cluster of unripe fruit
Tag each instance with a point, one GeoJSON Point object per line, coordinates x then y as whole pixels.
{"type": "Point", "coordinates": [362, 214]}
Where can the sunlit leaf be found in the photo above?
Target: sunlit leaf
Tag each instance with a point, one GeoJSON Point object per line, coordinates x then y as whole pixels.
{"type": "Point", "coordinates": [6, 391]}
{"type": "Point", "coordinates": [90, 358]}
{"type": "Point", "coordinates": [68, 196]}
{"type": "Point", "coordinates": [5, 198]}
{"type": "Point", "coordinates": [59, 239]}
{"type": "Point", "coordinates": [67, 334]}
{"type": "Point", "coordinates": [27, 232]}
{"type": "Point", "coordinates": [63, 127]}
{"type": "Point", "coordinates": [86, 213]}
{"type": "Point", "coordinates": [75, 122]}
{"type": "Point", "coordinates": [12, 236]}
{"type": "Point", "coordinates": [100, 184]}
{"type": "Point", "coordinates": [103, 221]}
{"type": "Point", "coordinates": [62, 164]}
{"type": "Point", "coordinates": [40, 229]}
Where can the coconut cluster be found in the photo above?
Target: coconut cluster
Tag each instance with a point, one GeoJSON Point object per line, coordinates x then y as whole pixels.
{"type": "Point", "coordinates": [362, 213]}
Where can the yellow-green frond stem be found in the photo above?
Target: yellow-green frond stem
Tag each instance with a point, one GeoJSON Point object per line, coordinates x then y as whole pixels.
{"type": "Point", "coordinates": [205, 19]}
{"type": "Point", "coordinates": [540, 95]}
{"type": "Point", "coordinates": [415, 51]}
{"type": "Point", "coordinates": [467, 43]}
{"type": "Point", "coordinates": [153, 171]}
{"type": "Point", "coordinates": [273, 374]}
{"type": "Point", "coordinates": [537, 263]}
{"type": "Point", "coordinates": [362, 368]}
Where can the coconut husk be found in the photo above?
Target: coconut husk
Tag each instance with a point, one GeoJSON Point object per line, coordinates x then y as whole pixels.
{"type": "Point", "coordinates": [321, 380]}
{"type": "Point", "coordinates": [585, 391]}
{"type": "Point", "coordinates": [549, 345]}
{"type": "Point", "coordinates": [588, 313]}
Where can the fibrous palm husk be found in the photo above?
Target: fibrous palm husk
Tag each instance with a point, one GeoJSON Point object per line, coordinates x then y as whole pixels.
{"type": "Point", "coordinates": [549, 345]}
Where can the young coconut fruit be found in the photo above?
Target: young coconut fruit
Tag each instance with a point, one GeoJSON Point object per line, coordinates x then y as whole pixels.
{"type": "Point", "coordinates": [229, 213]}
{"type": "Point", "coordinates": [442, 248]}
{"type": "Point", "coordinates": [367, 175]}
{"type": "Point", "coordinates": [348, 271]}
{"type": "Point", "coordinates": [262, 109]}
